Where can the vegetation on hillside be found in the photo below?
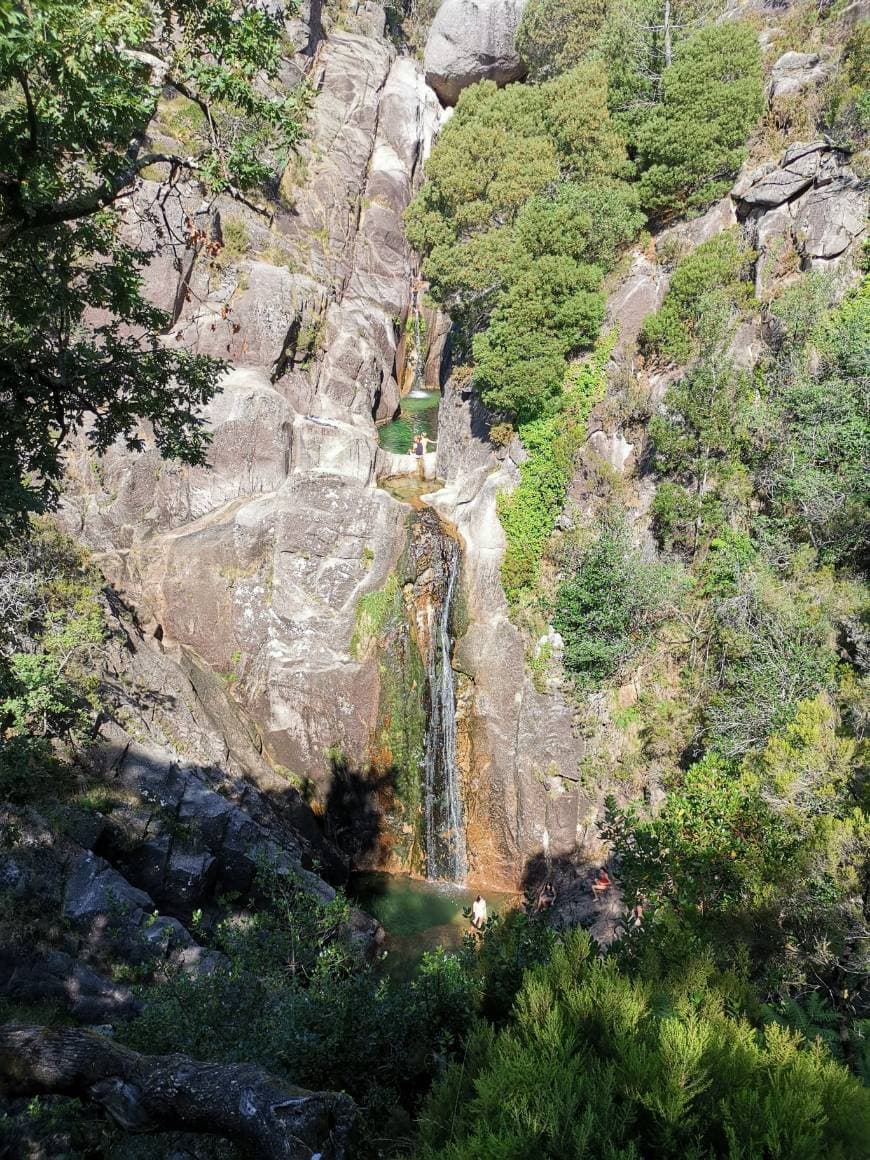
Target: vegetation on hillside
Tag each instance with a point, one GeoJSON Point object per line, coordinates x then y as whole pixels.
{"type": "Point", "coordinates": [82, 347]}
{"type": "Point", "coordinates": [733, 626]}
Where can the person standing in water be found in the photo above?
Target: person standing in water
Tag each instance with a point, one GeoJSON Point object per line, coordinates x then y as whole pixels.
{"type": "Point", "coordinates": [478, 913]}
{"type": "Point", "coordinates": [420, 447]}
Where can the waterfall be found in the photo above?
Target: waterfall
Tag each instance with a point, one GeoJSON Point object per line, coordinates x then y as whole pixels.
{"type": "Point", "coordinates": [438, 557]}
{"type": "Point", "coordinates": [418, 387]}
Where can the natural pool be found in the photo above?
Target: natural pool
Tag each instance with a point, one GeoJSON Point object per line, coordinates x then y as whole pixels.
{"type": "Point", "coordinates": [418, 915]}
{"type": "Point", "coordinates": [418, 412]}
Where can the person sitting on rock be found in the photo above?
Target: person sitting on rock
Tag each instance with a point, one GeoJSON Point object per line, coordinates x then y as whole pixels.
{"type": "Point", "coordinates": [546, 897]}
{"type": "Point", "coordinates": [601, 884]}
{"type": "Point", "coordinates": [478, 913]}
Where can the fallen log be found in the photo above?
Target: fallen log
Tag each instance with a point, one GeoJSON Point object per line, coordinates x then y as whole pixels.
{"type": "Point", "coordinates": [174, 1093]}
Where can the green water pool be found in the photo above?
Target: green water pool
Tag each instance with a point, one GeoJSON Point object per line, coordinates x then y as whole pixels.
{"type": "Point", "coordinates": [418, 915]}
{"type": "Point", "coordinates": [417, 413]}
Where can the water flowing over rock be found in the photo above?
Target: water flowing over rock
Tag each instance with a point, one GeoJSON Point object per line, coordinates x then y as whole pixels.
{"type": "Point", "coordinates": [437, 557]}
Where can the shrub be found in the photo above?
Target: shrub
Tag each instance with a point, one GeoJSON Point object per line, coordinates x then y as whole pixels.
{"type": "Point", "coordinates": [607, 609]}
{"type": "Point", "coordinates": [595, 1063]}
{"type": "Point", "coordinates": [529, 513]}
{"type": "Point", "coordinates": [554, 34]}
{"type": "Point", "coordinates": [551, 309]}
{"type": "Point", "coordinates": [707, 289]}
{"type": "Point", "coordinates": [51, 632]}
{"type": "Point", "coordinates": [772, 648]}
{"type": "Point", "coordinates": [816, 487]}
{"type": "Point", "coordinates": [691, 145]}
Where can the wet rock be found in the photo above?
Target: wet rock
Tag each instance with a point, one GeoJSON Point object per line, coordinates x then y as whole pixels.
{"type": "Point", "coordinates": [471, 41]}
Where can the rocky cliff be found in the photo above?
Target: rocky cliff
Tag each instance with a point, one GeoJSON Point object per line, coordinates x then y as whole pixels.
{"type": "Point", "coordinates": [255, 572]}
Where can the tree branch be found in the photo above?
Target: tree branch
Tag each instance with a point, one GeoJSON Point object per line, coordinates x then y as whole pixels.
{"type": "Point", "coordinates": [163, 1093]}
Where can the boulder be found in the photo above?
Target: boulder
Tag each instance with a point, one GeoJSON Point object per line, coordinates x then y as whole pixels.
{"type": "Point", "coordinates": [56, 977]}
{"type": "Point", "coordinates": [471, 41]}
{"type": "Point", "coordinates": [772, 186]}
{"type": "Point", "coordinates": [794, 72]}
{"type": "Point", "coordinates": [830, 218]}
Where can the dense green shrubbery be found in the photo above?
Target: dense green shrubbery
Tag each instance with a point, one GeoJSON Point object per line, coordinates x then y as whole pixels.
{"type": "Point", "coordinates": [51, 629]}
{"type": "Point", "coordinates": [522, 211]}
{"type": "Point", "coordinates": [612, 599]}
{"type": "Point", "coordinates": [818, 381]}
{"type": "Point", "coordinates": [595, 1063]}
{"type": "Point", "coordinates": [529, 513]}
{"type": "Point", "coordinates": [707, 290]}
{"type": "Point", "coordinates": [691, 145]}
{"type": "Point", "coordinates": [555, 34]}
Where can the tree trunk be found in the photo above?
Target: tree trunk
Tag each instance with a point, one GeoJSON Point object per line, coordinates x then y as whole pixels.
{"type": "Point", "coordinates": [174, 1093]}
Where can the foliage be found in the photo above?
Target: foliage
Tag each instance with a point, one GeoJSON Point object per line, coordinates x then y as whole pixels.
{"type": "Point", "coordinates": [597, 1063]}
{"type": "Point", "coordinates": [818, 381]}
{"type": "Point", "coordinates": [297, 998]}
{"type": "Point", "coordinates": [51, 629]}
{"type": "Point", "coordinates": [607, 609]}
{"type": "Point", "coordinates": [761, 861]}
{"type": "Point", "coordinates": [554, 34]}
{"type": "Point", "coordinates": [528, 514]}
{"type": "Point", "coordinates": [691, 144]}
{"type": "Point", "coordinates": [707, 290]}
{"type": "Point", "coordinates": [772, 643]}
{"type": "Point", "coordinates": [82, 346]}
{"type": "Point", "coordinates": [520, 360]}
{"type": "Point", "coordinates": [523, 209]}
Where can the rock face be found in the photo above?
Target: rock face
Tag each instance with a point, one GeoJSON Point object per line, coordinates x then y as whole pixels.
{"type": "Point", "coordinates": [794, 72]}
{"type": "Point", "coordinates": [257, 566]}
{"type": "Point", "coordinates": [471, 41]}
{"type": "Point", "coordinates": [807, 212]}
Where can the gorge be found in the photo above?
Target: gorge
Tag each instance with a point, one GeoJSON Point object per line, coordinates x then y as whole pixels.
{"type": "Point", "coordinates": [279, 696]}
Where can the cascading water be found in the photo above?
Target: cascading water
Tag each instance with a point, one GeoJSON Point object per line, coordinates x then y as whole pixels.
{"type": "Point", "coordinates": [418, 387]}
{"type": "Point", "coordinates": [438, 559]}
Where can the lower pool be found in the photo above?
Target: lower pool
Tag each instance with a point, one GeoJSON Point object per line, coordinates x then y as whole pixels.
{"type": "Point", "coordinates": [418, 915]}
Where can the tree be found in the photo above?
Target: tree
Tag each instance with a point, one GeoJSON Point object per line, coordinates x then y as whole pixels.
{"type": "Point", "coordinates": [693, 142]}
{"type": "Point", "coordinates": [554, 34]}
{"type": "Point", "coordinates": [79, 344]}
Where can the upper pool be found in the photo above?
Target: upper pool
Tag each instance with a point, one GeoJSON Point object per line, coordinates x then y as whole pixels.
{"type": "Point", "coordinates": [418, 412]}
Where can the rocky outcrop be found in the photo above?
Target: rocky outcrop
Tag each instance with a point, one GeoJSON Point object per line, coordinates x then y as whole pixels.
{"type": "Point", "coordinates": [471, 41]}
{"type": "Point", "coordinates": [522, 786]}
{"type": "Point", "coordinates": [807, 212]}
{"type": "Point", "coordinates": [57, 978]}
{"type": "Point", "coordinates": [794, 72]}
{"type": "Point", "coordinates": [257, 565]}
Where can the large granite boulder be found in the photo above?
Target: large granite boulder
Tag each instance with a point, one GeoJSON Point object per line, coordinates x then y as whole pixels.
{"type": "Point", "coordinates": [471, 41]}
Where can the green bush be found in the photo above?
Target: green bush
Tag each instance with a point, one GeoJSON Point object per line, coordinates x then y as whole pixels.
{"type": "Point", "coordinates": [595, 1063]}
{"type": "Point", "coordinates": [707, 290]}
{"type": "Point", "coordinates": [691, 144]}
{"type": "Point", "coordinates": [51, 633]}
{"type": "Point", "coordinates": [608, 608]}
{"type": "Point", "coordinates": [773, 646]}
{"type": "Point", "coordinates": [551, 309]}
{"type": "Point", "coordinates": [816, 487]}
{"type": "Point", "coordinates": [523, 193]}
{"type": "Point", "coordinates": [555, 34]}
{"type": "Point", "coordinates": [528, 514]}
